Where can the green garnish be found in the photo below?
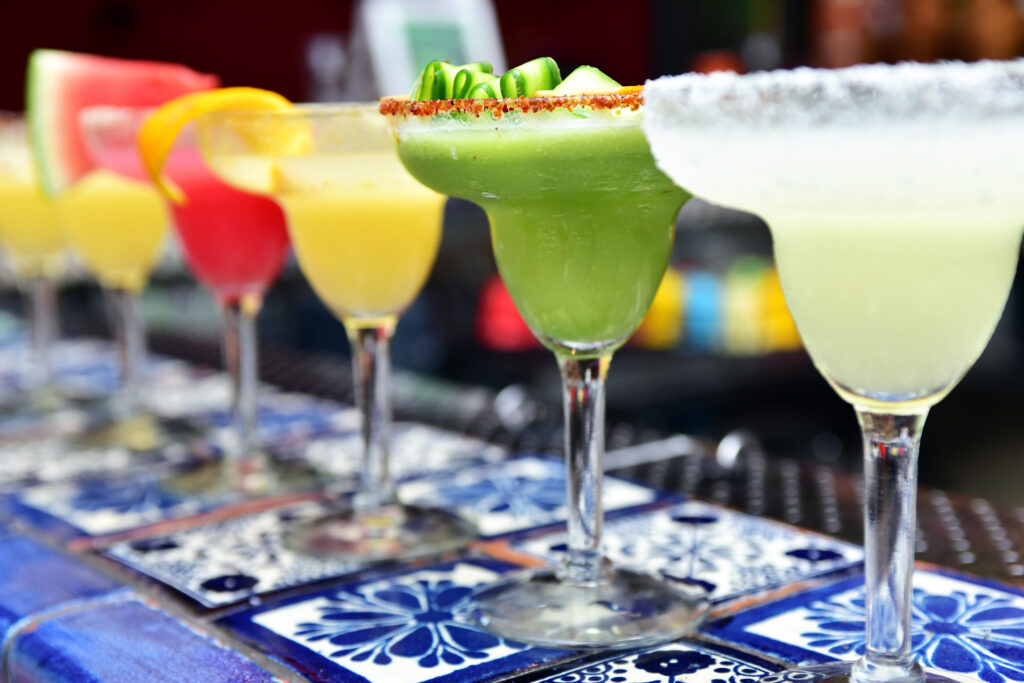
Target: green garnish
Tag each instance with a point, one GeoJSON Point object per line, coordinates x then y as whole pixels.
{"type": "Point", "coordinates": [437, 80]}
{"type": "Point", "coordinates": [476, 80]}
{"type": "Point", "coordinates": [466, 80]}
{"type": "Point", "coordinates": [525, 80]}
{"type": "Point", "coordinates": [586, 79]}
{"type": "Point", "coordinates": [484, 91]}
{"type": "Point", "coordinates": [440, 80]}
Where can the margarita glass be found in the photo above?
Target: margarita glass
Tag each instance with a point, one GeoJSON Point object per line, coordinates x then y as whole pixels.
{"type": "Point", "coordinates": [894, 198]}
{"type": "Point", "coordinates": [582, 224]}
{"type": "Point", "coordinates": [235, 244]}
{"type": "Point", "coordinates": [34, 246]}
{"type": "Point", "coordinates": [117, 226]}
{"type": "Point", "coordinates": [365, 235]}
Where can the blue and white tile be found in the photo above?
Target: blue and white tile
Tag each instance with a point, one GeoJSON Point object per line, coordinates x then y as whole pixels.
{"type": "Point", "coordinates": [100, 506]}
{"type": "Point", "coordinates": [959, 625]}
{"type": "Point", "coordinates": [83, 367]}
{"type": "Point", "coordinates": [685, 660]}
{"type": "Point", "coordinates": [223, 562]}
{"type": "Point", "coordinates": [283, 417]}
{"type": "Point", "coordinates": [409, 627]}
{"type": "Point", "coordinates": [725, 553]}
{"type": "Point", "coordinates": [514, 495]}
{"type": "Point", "coordinates": [58, 459]}
{"type": "Point", "coordinates": [416, 450]}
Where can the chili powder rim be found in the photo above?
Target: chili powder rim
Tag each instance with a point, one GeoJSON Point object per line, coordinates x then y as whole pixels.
{"type": "Point", "coordinates": [629, 98]}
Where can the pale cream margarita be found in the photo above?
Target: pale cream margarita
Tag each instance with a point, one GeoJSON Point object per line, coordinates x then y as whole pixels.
{"type": "Point", "coordinates": [895, 196]}
{"type": "Point", "coordinates": [896, 240]}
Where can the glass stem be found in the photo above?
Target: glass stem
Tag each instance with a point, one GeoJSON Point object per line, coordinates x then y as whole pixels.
{"type": "Point", "coordinates": [891, 444]}
{"type": "Point", "coordinates": [43, 326]}
{"type": "Point", "coordinates": [583, 403]}
{"type": "Point", "coordinates": [371, 368]}
{"type": "Point", "coordinates": [242, 361]}
{"type": "Point", "coordinates": [131, 350]}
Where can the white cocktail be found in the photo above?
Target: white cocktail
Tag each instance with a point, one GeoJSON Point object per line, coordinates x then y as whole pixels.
{"type": "Point", "coordinates": [895, 196]}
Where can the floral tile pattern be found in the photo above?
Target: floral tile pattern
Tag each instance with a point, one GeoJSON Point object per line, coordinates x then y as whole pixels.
{"type": "Point", "coordinates": [415, 450]}
{"type": "Point", "coordinates": [959, 625]}
{"type": "Point", "coordinates": [725, 553]}
{"type": "Point", "coordinates": [283, 417]}
{"type": "Point", "coordinates": [410, 627]}
{"type": "Point", "coordinates": [685, 660]}
{"type": "Point", "coordinates": [223, 562]}
{"type": "Point", "coordinates": [99, 506]}
{"type": "Point", "coordinates": [83, 367]}
{"type": "Point", "coordinates": [515, 495]}
{"type": "Point", "coordinates": [55, 459]}
{"type": "Point", "coordinates": [96, 506]}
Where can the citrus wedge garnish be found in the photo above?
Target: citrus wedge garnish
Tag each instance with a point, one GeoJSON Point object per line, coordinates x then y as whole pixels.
{"type": "Point", "coordinates": [164, 125]}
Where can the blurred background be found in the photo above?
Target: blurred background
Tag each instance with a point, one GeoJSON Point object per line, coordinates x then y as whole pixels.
{"type": "Point", "coordinates": [718, 351]}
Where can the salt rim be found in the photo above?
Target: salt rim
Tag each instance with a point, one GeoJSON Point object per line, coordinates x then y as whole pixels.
{"type": "Point", "coordinates": [908, 91]}
{"type": "Point", "coordinates": [398, 106]}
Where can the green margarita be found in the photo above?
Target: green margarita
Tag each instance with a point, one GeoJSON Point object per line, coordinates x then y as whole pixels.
{"type": "Point", "coordinates": [582, 224]}
{"type": "Point", "coordinates": [581, 219]}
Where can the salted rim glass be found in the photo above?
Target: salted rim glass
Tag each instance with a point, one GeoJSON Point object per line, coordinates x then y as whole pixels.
{"type": "Point", "coordinates": [549, 170]}
{"type": "Point", "coordinates": [110, 134]}
{"type": "Point", "coordinates": [42, 313]}
{"type": "Point", "coordinates": [895, 196]}
{"type": "Point", "coordinates": [365, 236]}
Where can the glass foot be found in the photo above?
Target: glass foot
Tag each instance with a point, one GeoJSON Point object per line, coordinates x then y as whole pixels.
{"type": "Point", "coordinates": [842, 672]}
{"type": "Point", "coordinates": [258, 475]}
{"type": "Point", "coordinates": [44, 416]}
{"type": "Point", "coordinates": [625, 609]}
{"type": "Point", "coordinates": [390, 532]}
{"type": "Point", "coordinates": [141, 433]}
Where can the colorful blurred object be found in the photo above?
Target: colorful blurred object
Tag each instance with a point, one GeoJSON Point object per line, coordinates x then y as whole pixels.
{"type": "Point", "coordinates": [739, 312]}
{"type": "Point", "coordinates": [498, 323]}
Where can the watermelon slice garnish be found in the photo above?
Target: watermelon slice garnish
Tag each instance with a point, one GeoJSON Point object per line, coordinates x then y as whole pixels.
{"type": "Point", "coordinates": [60, 84]}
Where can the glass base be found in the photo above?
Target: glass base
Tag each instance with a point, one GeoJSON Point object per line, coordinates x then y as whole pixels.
{"type": "Point", "coordinates": [143, 433]}
{"type": "Point", "coordinates": [842, 672]}
{"type": "Point", "coordinates": [625, 609]}
{"type": "Point", "coordinates": [257, 475]}
{"type": "Point", "coordinates": [45, 415]}
{"type": "Point", "coordinates": [391, 532]}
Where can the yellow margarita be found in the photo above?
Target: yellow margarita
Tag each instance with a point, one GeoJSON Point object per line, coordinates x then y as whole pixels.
{"type": "Point", "coordinates": [29, 227]}
{"type": "Point", "coordinates": [116, 226]}
{"type": "Point", "coordinates": [365, 235]}
{"type": "Point", "coordinates": [364, 231]}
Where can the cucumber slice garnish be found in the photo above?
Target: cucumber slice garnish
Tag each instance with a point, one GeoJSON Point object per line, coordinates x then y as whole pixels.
{"type": "Point", "coordinates": [483, 67]}
{"type": "Point", "coordinates": [466, 79]}
{"type": "Point", "coordinates": [434, 82]}
{"type": "Point", "coordinates": [484, 91]}
{"type": "Point", "coordinates": [441, 80]}
{"type": "Point", "coordinates": [585, 79]}
{"type": "Point", "coordinates": [525, 80]}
